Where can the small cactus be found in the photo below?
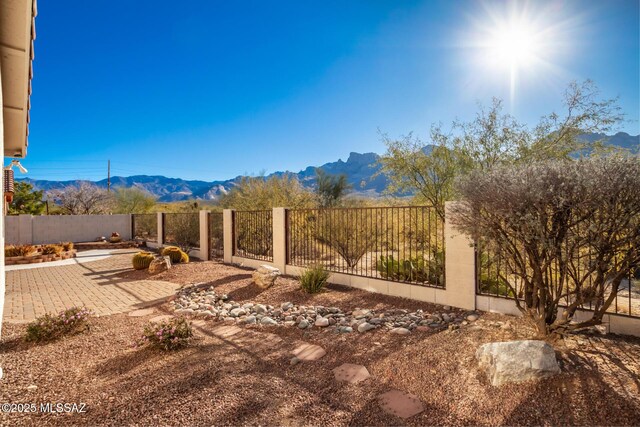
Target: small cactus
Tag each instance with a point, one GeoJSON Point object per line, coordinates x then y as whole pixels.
{"type": "Point", "coordinates": [175, 254]}
{"type": "Point", "coordinates": [141, 260]}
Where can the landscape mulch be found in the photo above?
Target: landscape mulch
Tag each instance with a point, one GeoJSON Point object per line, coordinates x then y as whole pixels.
{"type": "Point", "coordinates": [217, 381]}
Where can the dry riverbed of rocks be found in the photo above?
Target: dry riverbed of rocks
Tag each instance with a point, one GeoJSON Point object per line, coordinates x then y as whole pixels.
{"type": "Point", "coordinates": [205, 302]}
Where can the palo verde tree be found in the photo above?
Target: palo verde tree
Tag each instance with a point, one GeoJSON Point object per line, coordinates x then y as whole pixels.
{"type": "Point", "coordinates": [133, 200]}
{"type": "Point", "coordinates": [567, 232]}
{"type": "Point", "coordinates": [493, 138]}
{"type": "Point", "coordinates": [256, 193]}
{"type": "Point", "coordinates": [330, 189]}
{"type": "Point", "coordinates": [26, 200]}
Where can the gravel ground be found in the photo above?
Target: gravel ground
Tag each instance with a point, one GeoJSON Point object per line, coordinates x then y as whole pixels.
{"type": "Point", "coordinates": [218, 382]}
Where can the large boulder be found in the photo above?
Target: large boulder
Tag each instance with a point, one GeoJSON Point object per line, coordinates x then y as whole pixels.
{"type": "Point", "coordinates": [517, 361]}
{"type": "Point", "coordinates": [265, 276]}
{"type": "Point", "coordinates": [159, 264]}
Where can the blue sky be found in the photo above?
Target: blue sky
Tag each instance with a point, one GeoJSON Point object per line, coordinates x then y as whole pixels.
{"type": "Point", "coordinates": [213, 89]}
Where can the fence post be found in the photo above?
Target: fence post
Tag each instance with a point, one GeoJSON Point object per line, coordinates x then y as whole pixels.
{"type": "Point", "coordinates": [132, 226]}
{"type": "Point", "coordinates": [227, 235]}
{"type": "Point", "coordinates": [160, 229]}
{"type": "Point", "coordinates": [460, 265]}
{"type": "Point", "coordinates": [279, 238]}
{"type": "Point", "coordinates": [205, 252]}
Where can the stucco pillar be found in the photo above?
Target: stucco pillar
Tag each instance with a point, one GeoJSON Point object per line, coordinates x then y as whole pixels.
{"type": "Point", "coordinates": [227, 235]}
{"type": "Point", "coordinates": [280, 238]}
{"type": "Point", "coordinates": [160, 230]}
{"type": "Point", "coordinates": [205, 252]}
{"type": "Point", "coordinates": [460, 265]}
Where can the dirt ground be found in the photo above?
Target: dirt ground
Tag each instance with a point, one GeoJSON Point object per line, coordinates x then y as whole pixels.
{"type": "Point", "coordinates": [223, 381]}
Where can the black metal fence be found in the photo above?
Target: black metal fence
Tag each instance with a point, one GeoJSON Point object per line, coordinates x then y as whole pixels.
{"type": "Point", "coordinates": [216, 235]}
{"type": "Point", "coordinates": [253, 234]}
{"type": "Point", "coordinates": [400, 244]}
{"type": "Point", "coordinates": [494, 278]}
{"type": "Point", "coordinates": [182, 229]}
{"type": "Point", "coordinates": [145, 227]}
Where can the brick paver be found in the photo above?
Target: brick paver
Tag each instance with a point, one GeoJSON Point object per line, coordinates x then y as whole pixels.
{"type": "Point", "coordinates": [96, 285]}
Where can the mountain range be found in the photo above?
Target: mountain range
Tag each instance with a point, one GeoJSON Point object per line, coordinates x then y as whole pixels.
{"type": "Point", "coordinates": [361, 170]}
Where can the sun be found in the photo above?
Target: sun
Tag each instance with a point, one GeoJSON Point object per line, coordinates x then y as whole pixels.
{"type": "Point", "coordinates": [517, 44]}
{"type": "Point", "coordinates": [513, 47]}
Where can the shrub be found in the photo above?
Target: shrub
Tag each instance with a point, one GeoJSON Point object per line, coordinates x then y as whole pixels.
{"type": "Point", "coordinates": [141, 260]}
{"type": "Point", "coordinates": [413, 269]}
{"type": "Point", "coordinates": [67, 246]}
{"type": "Point", "coordinates": [313, 279]}
{"type": "Point", "coordinates": [50, 327]}
{"type": "Point", "coordinates": [51, 250]}
{"type": "Point", "coordinates": [175, 254]}
{"type": "Point", "coordinates": [566, 230]}
{"type": "Point", "coordinates": [346, 232]}
{"type": "Point", "coordinates": [10, 251]}
{"type": "Point", "coordinates": [168, 335]}
{"type": "Point", "coordinates": [19, 250]}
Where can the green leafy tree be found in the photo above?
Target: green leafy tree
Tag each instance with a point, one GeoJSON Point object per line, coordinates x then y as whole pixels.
{"type": "Point", "coordinates": [26, 200]}
{"type": "Point", "coordinates": [330, 189]}
{"type": "Point", "coordinates": [492, 139]}
{"type": "Point", "coordinates": [133, 200]}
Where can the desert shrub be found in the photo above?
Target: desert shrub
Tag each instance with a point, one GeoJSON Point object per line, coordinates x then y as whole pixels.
{"type": "Point", "coordinates": [182, 229]}
{"type": "Point", "coordinates": [313, 279]}
{"type": "Point", "coordinates": [50, 327]}
{"type": "Point", "coordinates": [18, 250]}
{"type": "Point", "coordinates": [175, 254]}
{"type": "Point", "coordinates": [66, 246]}
{"type": "Point", "coordinates": [346, 232]}
{"type": "Point", "coordinates": [566, 231]}
{"type": "Point", "coordinates": [51, 250]}
{"type": "Point", "coordinates": [168, 335]}
{"type": "Point", "coordinates": [142, 260]}
{"type": "Point", "coordinates": [412, 269]}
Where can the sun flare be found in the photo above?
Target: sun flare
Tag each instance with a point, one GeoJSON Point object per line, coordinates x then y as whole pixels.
{"type": "Point", "coordinates": [513, 47]}
{"type": "Point", "coordinates": [516, 44]}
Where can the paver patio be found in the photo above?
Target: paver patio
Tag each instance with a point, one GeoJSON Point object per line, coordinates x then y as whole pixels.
{"type": "Point", "coordinates": [35, 291]}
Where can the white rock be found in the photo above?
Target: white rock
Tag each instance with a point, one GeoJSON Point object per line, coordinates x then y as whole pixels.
{"type": "Point", "coordinates": [237, 312]}
{"type": "Point", "coordinates": [517, 361]}
{"type": "Point", "coordinates": [364, 327]}
{"type": "Point", "coordinates": [400, 331]}
{"type": "Point", "coordinates": [265, 276]}
{"type": "Point", "coordinates": [322, 322]}
{"type": "Point", "coordinates": [472, 317]}
{"type": "Point", "coordinates": [268, 321]}
{"type": "Point", "coordinates": [259, 309]}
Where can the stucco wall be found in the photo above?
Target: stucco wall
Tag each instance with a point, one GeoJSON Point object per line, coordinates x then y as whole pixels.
{"type": "Point", "coordinates": [64, 228]}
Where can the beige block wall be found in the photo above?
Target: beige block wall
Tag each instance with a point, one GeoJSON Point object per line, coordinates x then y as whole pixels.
{"type": "Point", "coordinates": [27, 229]}
{"type": "Point", "coordinates": [12, 230]}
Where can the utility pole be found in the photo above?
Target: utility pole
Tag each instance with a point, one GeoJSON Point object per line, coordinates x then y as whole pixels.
{"type": "Point", "coordinates": [108, 176]}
